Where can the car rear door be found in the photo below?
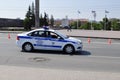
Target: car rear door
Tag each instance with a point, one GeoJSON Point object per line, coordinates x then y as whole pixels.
{"type": "Point", "coordinates": [39, 40]}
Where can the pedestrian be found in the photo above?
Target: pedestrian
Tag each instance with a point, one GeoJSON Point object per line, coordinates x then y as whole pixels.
{"type": "Point", "coordinates": [69, 28]}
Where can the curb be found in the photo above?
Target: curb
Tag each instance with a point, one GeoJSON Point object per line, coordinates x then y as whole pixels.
{"type": "Point", "coordinates": [94, 37]}
{"type": "Point", "coordinates": [17, 32]}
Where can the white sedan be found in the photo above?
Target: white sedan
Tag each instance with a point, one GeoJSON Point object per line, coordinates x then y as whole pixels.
{"type": "Point", "coordinates": [48, 39]}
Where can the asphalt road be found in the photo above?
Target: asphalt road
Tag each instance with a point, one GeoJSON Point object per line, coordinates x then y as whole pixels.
{"type": "Point", "coordinates": [96, 56]}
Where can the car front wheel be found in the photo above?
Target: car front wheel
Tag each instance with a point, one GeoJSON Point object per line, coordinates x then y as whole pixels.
{"type": "Point", "coordinates": [69, 49]}
{"type": "Point", "coordinates": [27, 47]}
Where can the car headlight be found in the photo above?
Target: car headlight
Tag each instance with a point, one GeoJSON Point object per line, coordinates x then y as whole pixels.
{"type": "Point", "coordinates": [79, 42]}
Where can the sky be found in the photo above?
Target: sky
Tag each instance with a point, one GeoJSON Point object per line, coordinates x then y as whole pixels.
{"type": "Point", "coordinates": [62, 8]}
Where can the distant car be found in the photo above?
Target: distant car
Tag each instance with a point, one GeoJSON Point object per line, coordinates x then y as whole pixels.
{"type": "Point", "coordinates": [48, 39]}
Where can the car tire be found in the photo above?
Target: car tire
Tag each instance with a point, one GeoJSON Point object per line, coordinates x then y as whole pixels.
{"type": "Point", "coordinates": [27, 47]}
{"type": "Point", "coordinates": [69, 49]}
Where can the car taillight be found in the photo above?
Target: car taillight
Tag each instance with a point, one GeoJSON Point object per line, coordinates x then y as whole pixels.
{"type": "Point", "coordinates": [17, 38]}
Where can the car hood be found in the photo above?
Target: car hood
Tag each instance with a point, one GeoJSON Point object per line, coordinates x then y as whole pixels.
{"type": "Point", "coordinates": [22, 34]}
{"type": "Point", "coordinates": [73, 39]}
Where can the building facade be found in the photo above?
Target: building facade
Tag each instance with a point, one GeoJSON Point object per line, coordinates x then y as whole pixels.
{"type": "Point", "coordinates": [5, 22]}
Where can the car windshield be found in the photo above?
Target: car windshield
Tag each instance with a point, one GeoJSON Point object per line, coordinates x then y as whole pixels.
{"type": "Point", "coordinates": [62, 35]}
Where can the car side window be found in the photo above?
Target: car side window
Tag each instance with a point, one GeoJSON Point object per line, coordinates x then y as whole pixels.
{"type": "Point", "coordinates": [54, 35]}
{"type": "Point", "coordinates": [41, 34]}
{"type": "Point", "coordinates": [37, 34]}
{"type": "Point", "coordinates": [32, 34]}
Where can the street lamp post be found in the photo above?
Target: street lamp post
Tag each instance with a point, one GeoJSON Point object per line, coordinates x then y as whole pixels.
{"type": "Point", "coordinates": [78, 19]}
{"type": "Point", "coordinates": [106, 12]}
{"type": "Point", "coordinates": [36, 13]}
{"type": "Point", "coordinates": [94, 15]}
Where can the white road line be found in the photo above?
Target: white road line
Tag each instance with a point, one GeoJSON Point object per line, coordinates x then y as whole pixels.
{"type": "Point", "coordinates": [110, 57]}
{"type": "Point", "coordinates": [116, 43]}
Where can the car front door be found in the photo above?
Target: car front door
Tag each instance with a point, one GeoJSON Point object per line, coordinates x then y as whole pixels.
{"type": "Point", "coordinates": [56, 42]}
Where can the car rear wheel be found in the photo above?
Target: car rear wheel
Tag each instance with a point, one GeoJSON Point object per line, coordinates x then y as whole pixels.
{"type": "Point", "coordinates": [27, 47]}
{"type": "Point", "coordinates": [69, 49]}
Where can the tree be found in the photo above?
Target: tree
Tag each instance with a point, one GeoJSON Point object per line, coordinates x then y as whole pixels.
{"type": "Point", "coordinates": [52, 21]}
{"type": "Point", "coordinates": [86, 26]}
{"type": "Point", "coordinates": [29, 20]}
{"type": "Point", "coordinates": [115, 24]}
{"type": "Point", "coordinates": [46, 19]}
{"type": "Point", "coordinates": [107, 24]}
{"type": "Point", "coordinates": [33, 15]}
{"type": "Point", "coordinates": [79, 24]}
{"type": "Point", "coordinates": [27, 24]}
{"type": "Point", "coordinates": [97, 26]}
{"type": "Point", "coordinates": [41, 20]}
{"type": "Point", "coordinates": [74, 25]}
{"type": "Point", "coordinates": [101, 24]}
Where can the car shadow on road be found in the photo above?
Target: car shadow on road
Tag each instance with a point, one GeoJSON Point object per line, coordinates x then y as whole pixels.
{"type": "Point", "coordinates": [83, 52]}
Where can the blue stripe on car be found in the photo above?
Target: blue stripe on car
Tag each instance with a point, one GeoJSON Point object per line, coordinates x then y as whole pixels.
{"type": "Point", "coordinates": [26, 37]}
{"type": "Point", "coordinates": [43, 38]}
{"type": "Point", "coordinates": [47, 46]}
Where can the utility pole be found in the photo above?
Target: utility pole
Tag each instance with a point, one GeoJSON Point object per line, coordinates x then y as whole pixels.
{"type": "Point", "coordinates": [78, 19]}
{"type": "Point", "coordinates": [105, 27]}
{"type": "Point", "coordinates": [37, 13]}
{"type": "Point", "coordinates": [94, 15]}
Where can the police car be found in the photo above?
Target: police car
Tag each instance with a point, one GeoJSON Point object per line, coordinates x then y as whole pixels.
{"type": "Point", "coordinates": [48, 39]}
